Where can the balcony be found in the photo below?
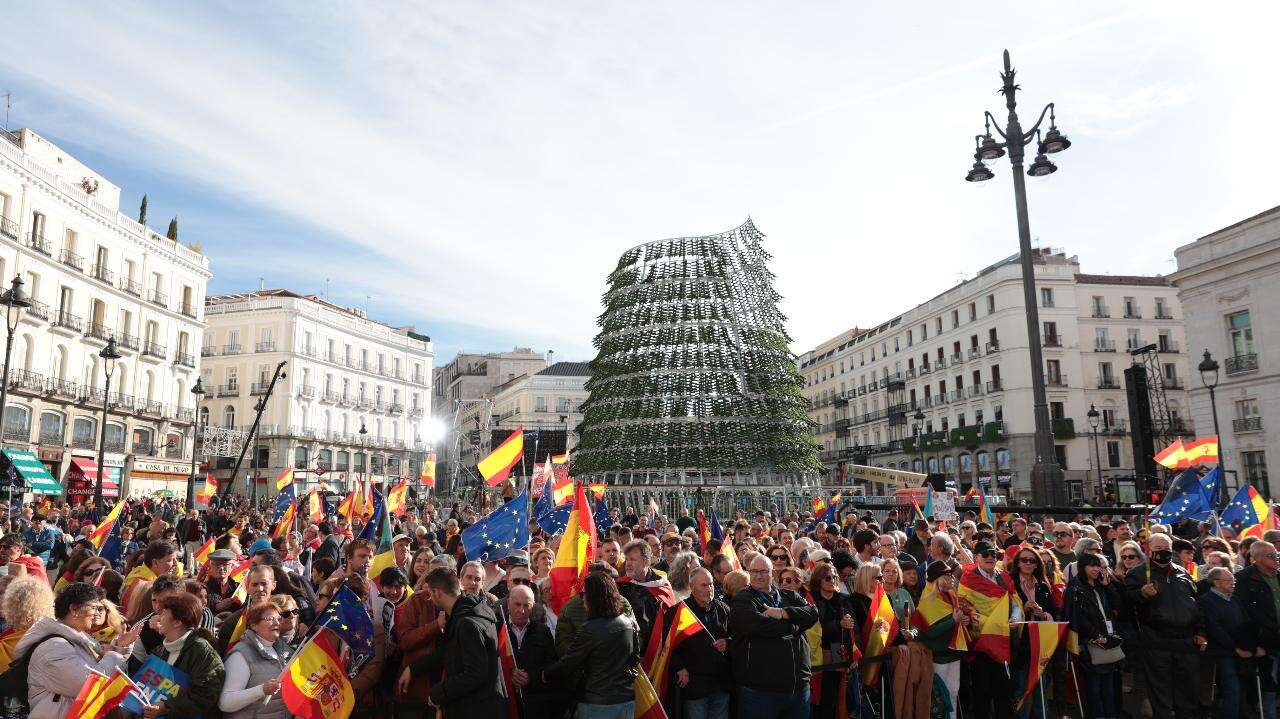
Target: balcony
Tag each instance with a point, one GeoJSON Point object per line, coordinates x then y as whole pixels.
{"type": "Point", "coordinates": [1132, 313]}
{"type": "Point", "coordinates": [955, 395]}
{"type": "Point", "coordinates": [1064, 428]}
{"type": "Point", "coordinates": [184, 359]}
{"type": "Point", "coordinates": [127, 341]}
{"type": "Point", "coordinates": [1163, 315]}
{"type": "Point", "coordinates": [333, 357]}
{"type": "Point", "coordinates": [71, 259]}
{"type": "Point", "coordinates": [1104, 345]}
{"type": "Point", "coordinates": [345, 401]}
{"type": "Point", "coordinates": [156, 297]}
{"type": "Point", "coordinates": [975, 391]}
{"type": "Point", "coordinates": [380, 407]}
{"type": "Point", "coordinates": [130, 286]}
{"type": "Point", "coordinates": [184, 414]}
{"type": "Point", "coordinates": [98, 331]}
{"type": "Point", "coordinates": [911, 373]}
{"type": "Point", "coordinates": [229, 390]}
{"type": "Point", "coordinates": [1056, 380]}
{"type": "Point", "coordinates": [924, 370]}
{"type": "Point", "coordinates": [17, 434]}
{"type": "Point", "coordinates": [51, 439]}
{"type": "Point", "coordinates": [114, 445]}
{"type": "Point", "coordinates": [232, 349]}
{"type": "Point", "coordinates": [1173, 383]}
{"type": "Point", "coordinates": [1168, 347]}
{"type": "Point", "coordinates": [1242, 363]}
{"type": "Point", "coordinates": [39, 310]}
{"type": "Point", "coordinates": [154, 409]}
{"type": "Point", "coordinates": [1248, 424]}
{"type": "Point", "coordinates": [259, 388]}
{"type": "Point", "coordinates": [396, 409]}
{"type": "Point", "coordinates": [1120, 426]}
{"type": "Point", "coordinates": [188, 310]}
{"type": "Point", "coordinates": [364, 404]}
{"type": "Point", "coordinates": [1108, 383]}
{"type": "Point", "coordinates": [974, 353]}
{"type": "Point", "coordinates": [994, 386]}
{"type": "Point", "coordinates": [308, 351]}
{"type": "Point", "coordinates": [26, 382]}
{"type": "Point", "coordinates": [1052, 341]}
{"type": "Point", "coordinates": [1100, 312]}
{"type": "Point", "coordinates": [993, 431]}
{"type": "Point", "coordinates": [941, 363]}
{"type": "Point", "coordinates": [63, 388]}
{"type": "Point", "coordinates": [330, 396]}
{"type": "Point", "coordinates": [102, 274]}
{"type": "Point", "coordinates": [307, 391]}
{"type": "Point", "coordinates": [993, 347]}
{"type": "Point", "coordinates": [8, 228]}
{"type": "Point", "coordinates": [1181, 427]}
{"type": "Point", "coordinates": [416, 413]}
{"type": "Point", "coordinates": [39, 244]}
{"type": "Point", "coordinates": [84, 441]}
{"type": "Point", "coordinates": [154, 349]}
{"type": "Point", "coordinates": [957, 359]}
{"type": "Point", "coordinates": [267, 346]}
{"type": "Point", "coordinates": [144, 449]}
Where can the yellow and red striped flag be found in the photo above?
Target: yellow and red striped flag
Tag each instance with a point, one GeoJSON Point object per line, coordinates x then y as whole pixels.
{"type": "Point", "coordinates": [398, 497]}
{"type": "Point", "coordinates": [202, 554]}
{"type": "Point", "coordinates": [818, 504]}
{"type": "Point", "coordinates": [992, 601]}
{"type": "Point", "coordinates": [1201, 451]}
{"type": "Point", "coordinates": [876, 639]}
{"type": "Point", "coordinates": [315, 685]}
{"type": "Point", "coordinates": [647, 704]}
{"type": "Point", "coordinates": [597, 488]}
{"type": "Point", "coordinates": [206, 492]}
{"type": "Point", "coordinates": [1174, 456]}
{"type": "Point", "coordinates": [284, 480]}
{"type": "Point", "coordinates": [99, 695]}
{"type": "Point", "coordinates": [507, 665]}
{"type": "Point", "coordinates": [496, 466]}
{"type": "Point", "coordinates": [561, 485]}
{"type": "Point", "coordinates": [559, 458]}
{"type": "Point", "coordinates": [577, 546]}
{"type": "Point", "coordinates": [285, 525]}
{"type": "Point", "coordinates": [935, 607]}
{"type": "Point", "coordinates": [315, 507]}
{"type": "Point", "coordinates": [427, 477]}
{"type": "Point", "coordinates": [1045, 637]}
{"type": "Point", "coordinates": [102, 530]}
{"type": "Point", "coordinates": [238, 575]}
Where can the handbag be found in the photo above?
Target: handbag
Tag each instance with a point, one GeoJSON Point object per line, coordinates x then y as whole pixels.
{"type": "Point", "coordinates": [1101, 656]}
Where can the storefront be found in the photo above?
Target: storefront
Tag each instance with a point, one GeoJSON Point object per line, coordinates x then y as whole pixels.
{"type": "Point", "coordinates": [82, 478]}
{"type": "Point", "coordinates": [51, 457]}
{"type": "Point", "coordinates": [24, 465]}
{"type": "Point", "coordinates": [151, 477]}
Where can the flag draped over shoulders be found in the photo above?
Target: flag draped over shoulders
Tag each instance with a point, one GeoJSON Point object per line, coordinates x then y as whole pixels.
{"type": "Point", "coordinates": [992, 601]}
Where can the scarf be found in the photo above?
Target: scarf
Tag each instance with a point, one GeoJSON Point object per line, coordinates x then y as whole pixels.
{"type": "Point", "coordinates": [140, 573]}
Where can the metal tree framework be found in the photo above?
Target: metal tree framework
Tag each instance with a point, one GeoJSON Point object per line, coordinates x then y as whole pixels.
{"type": "Point", "coordinates": [694, 380]}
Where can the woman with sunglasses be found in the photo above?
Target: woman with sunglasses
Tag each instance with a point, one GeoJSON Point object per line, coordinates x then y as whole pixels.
{"type": "Point", "coordinates": [793, 578]}
{"type": "Point", "coordinates": [781, 560]}
{"type": "Point", "coordinates": [1036, 595]}
{"type": "Point", "coordinates": [839, 630]}
{"type": "Point", "coordinates": [289, 619]}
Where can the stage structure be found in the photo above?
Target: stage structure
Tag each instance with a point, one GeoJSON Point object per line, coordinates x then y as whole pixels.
{"type": "Point", "coordinates": [694, 383]}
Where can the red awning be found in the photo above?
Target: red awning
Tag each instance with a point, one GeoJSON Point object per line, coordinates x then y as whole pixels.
{"type": "Point", "coordinates": [88, 470]}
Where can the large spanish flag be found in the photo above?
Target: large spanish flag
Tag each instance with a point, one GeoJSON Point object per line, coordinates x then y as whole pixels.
{"type": "Point", "coordinates": [1045, 637]}
{"type": "Point", "coordinates": [284, 480]}
{"type": "Point", "coordinates": [577, 546]}
{"type": "Point", "coordinates": [876, 640]}
{"type": "Point", "coordinates": [101, 532]}
{"type": "Point", "coordinates": [1201, 451]}
{"type": "Point", "coordinates": [1174, 456]}
{"type": "Point", "coordinates": [316, 685]}
{"type": "Point", "coordinates": [935, 607]}
{"type": "Point", "coordinates": [398, 497]}
{"type": "Point", "coordinates": [992, 602]}
{"type": "Point", "coordinates": [427, 477]}
{"type": "Point", "coordinates": [497, 464]}
{"type": "Point", "coordinates": [1262, 509]}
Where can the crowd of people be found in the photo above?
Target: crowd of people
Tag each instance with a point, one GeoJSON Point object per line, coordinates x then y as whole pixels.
{"type": "Point", "coordinates": [1160, 621]}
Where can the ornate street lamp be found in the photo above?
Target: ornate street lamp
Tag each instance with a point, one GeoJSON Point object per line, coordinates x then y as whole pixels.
{"type": "Point", "coordinates": [919, 432]}
{"type": "Point", "coordinates": [109, 356]}
{"type": "Point", "coordinates": [1209, 378]}
{"type": "Point", "coordinates": [1046, 475]}
{"type": "Point", "coordinates": [197, 394]}
{"type": "Point", "coordinates": [15, 300]}
{"type": "Point", "coordinates": [1094, 418]}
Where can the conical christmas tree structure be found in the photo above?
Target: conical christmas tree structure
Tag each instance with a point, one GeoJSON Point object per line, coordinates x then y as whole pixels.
{"type": "Point", "coordinates": [694, 373]}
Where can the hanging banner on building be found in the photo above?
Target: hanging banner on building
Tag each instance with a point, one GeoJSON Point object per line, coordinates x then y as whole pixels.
{"type": "Point", "coordinates": [883, 475]}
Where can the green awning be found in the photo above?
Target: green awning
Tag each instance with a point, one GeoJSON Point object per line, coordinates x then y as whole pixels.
{"type": "Point", "coordinates": [32, 470]}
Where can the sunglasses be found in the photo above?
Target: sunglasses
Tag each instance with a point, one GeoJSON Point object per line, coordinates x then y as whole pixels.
{"type": "Point", "coordinates": [790, 580]}
{"type": "Point", "coordinates": [1062, 534]}
{"type": "Point", "coordinates": [288, 613]}
{"type": "Point", "coordinates": [522, 580]}
{"type": "Point", "coordinates": [1128, 557]}
{"type": "Point", "coordinates": [1028, 560]}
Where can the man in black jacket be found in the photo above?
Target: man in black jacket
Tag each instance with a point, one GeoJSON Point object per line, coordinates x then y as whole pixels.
{"type": "Point", "coordinates": [1172, 630]}
{"type": "Point", "coordinates": [770, 654]}
{"type": "Point", "coordinates": [534, 650]}
{"type": "Point", "coordinates": [1231, 639]}
{"type": "Point", "coordinates": [639, 556]}
{"type": "Point", "coordinates": [1256, 593]}
{"type": "Point", "coordinates": [700, 663]}
{"type": "Point", "coordinates": [473, 685]}
{"type": "Point", "coordinates": [329, 546]}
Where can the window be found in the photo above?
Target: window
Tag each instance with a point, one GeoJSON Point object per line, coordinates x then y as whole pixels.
{"type": "Point", "coordinates": [955, 319]}
{"type": "Point", "coordinates": [973, 311]}
{"type": "Point", "coordinates": [1046, 297]}
{"type": "Point", "coordinates": [960, 420]}
{"type": "Point", "coordinates": [17, 422]}
{"type": "Point", "coordinates": [909, 338]}
{"type": "Point", "coordinates": [1240, 333]}
{"type": "Point", "coordinates": [999, 413]}
{"type": "Point", "coordinates": [1131, 309]}
{"type": "Point", "coordinates": [1003, 459]}
{"type": "Point", "coordinates": [300, 457]}
{"type": "Point", "coordinates": [1255, 470]}
{"type": "Point", "coordinates": [142, 441]}
{"type": "Point", "coordinates": [1106, 377]}
{"type": "Point", "coordinates": [562, 403]}
{"type": "Point", "coordinates": [324, 458]}
{"type": "Point", "coordinates": [1099, 306]}
{"type": "Point", "coordinates": [344, 461]}
{"type": "Point", "coordinates": [1135, 338]}
{"type": "Point", "coordinates": [540, 404]}
{"type": "Point", "coordinates": [1101, 339]}
{"type": "Point", "coordinates": [84, 432]}
{"type": "Point", "coordinates": [938, 325]}
{"type": "Point", "coordinates": [1051, 334]}
{"type": "Point", "coordinates": [51, 428]}
{"type": "Point", "coordinates": [991, 304]}
{"type": "Point", "coordinates": [1113, 454]}
{"type": "Point", "coordinates": [1060, 451]}
{"type": "Point", "coordinates": [1056, 410]}
{"type": "Point", "coordinates": [1053, 371]}
{"type": "Point", "coordinates": [1162, 309]}
{"type": "Point", "coordinates": [993, 340]}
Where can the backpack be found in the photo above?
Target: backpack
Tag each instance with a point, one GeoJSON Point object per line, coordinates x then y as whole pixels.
{"type": "Point", "coordinates": [13, 681]}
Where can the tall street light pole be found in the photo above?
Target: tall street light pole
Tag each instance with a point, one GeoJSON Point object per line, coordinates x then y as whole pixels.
{"type": "Point", "coordinates": [918, 428]}
{"type": "Point", "coordinates": [15, 300]}
{"type": "Point", "coordinates": [197, 393]}
{"type": "Point", "coordinates": [1046, 475]}
{"type": "Point", "coordinates": [109, 356]}
{"type": "Point", "coordinates": [1094, 417]}
{"type": "Point", "coordinates": [1209, 378]}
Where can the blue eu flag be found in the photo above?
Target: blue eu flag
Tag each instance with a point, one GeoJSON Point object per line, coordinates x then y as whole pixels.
{"type": "Point", "coordinates": [283, 500]}
{"type": "Point", "coordinates": [370, 530]}
{"type": "Point", "coordinates": [348, 618]}
{"type": "Point", "coordinates": [713, 524]}
{"type": "Point", "coordinates": [550, 518]}
{"type": "Point", "coordinates": [1184, 500]}
{"type": "Point", "coordinates": [502, 532]}
{"type": "Point", "coordinates": [603, 520]}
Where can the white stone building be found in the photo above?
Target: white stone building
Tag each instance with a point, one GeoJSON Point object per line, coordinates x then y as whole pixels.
{"type": "Point", "coordinates": [344, 371]}
{"type": "Point", "coordinates": [93, 274]}
{"type": "Point", "coordinates": [961, 360]}
{"type": "Point", "coordinates": [1229, 283]}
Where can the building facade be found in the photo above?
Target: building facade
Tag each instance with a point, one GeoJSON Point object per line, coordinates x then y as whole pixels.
{"type": "Point", "coordinates": [1228, 283]}
{"type": "Point", "coordinates": [954, 372]}
{"type": "Point", "coordinates": [548, 401]}
{"type": "Point", "coordinates": [353, 401]}
{"type": "Point", "coordinates": [94, 274]}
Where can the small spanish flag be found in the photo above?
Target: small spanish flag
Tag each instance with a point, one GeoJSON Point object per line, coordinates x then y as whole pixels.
{"type": "Point", "coordinates": [210, 488]}
{"type": "Point", "coordinates": [202, 554]}
{"type": "Point", "coordinates": [1174, 456]}
{"type": "Point", "coordinates": [347, 507]}
{"type": "Point", "coordinates": [398, 497]}
{"type": "Point", "coordinates": [284, 480]}
{"type": "Point", "coordinates": [100, 694]}
{"type": "Point", "coordinates": [315, 507]}
{"type": "Point", "coordinates": [496, 466]}
{"type": "Point", "coordinates": [238, 576]}
{"type": "Point", "coordinates": [102, 530]}
{"type": "Point", "coordinates": [428, 476]}
{"type": "Point", "coordinates": [285, 525]}
{"type": "Point", "coordinates": [1044, 637]}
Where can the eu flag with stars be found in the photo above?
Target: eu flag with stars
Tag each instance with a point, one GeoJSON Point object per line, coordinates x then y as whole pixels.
{"type": "Point", "coordinates": [603, 520]}
{"type": "Point", "coordinates": [502, 532]}
{"type": "Point", "coordinates": [370, 530]}
{"type": "Point", "coordinates": [283, 500]}
{"type": "Point", "coordinates": [1209, 485]}
{"type": "Point", "coordinates": [348, 618]}
{"type": "Point", "coordinates": [1184, 500]}
{"type": "Point", "coordinates": [550, 518]}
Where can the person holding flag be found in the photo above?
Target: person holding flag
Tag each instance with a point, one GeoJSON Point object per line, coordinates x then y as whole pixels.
{"type": "Point", "coordinates": [701, 664]}
{"type": "Point", "coordinates": [990, 592]}
{"type": "Point", "coordinates": [835, 629]}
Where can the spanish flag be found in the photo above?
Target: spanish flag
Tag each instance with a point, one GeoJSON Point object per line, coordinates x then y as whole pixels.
{"type": "Point", "coordinates": [992, 602]}
{"type": "Point", "coordinates": [99, 695]}
{"type": "Point", "coordinates": [577, 545]}
{"type": "Point", "coordinates": [1174, 456]}
{"type": "Point", "coordinates": [497, 464]}
{"type": "Point", "coordinates": [1201, 451]}
{"type": "Point", "coordinates": [398, 497]}
{"type": "Point", "coordinates": [202, 554]}
{"type": "Point", "coordinates": [206, 492]}
{"type": "Point", "coordinates": [284, 480]}
{"type": "Point", "coordinates": [1045, 637]}
{"type": "Point", "coordinates": [315, 507]}
{"type": "Point", "coordinates": [561, 486]}
{"type": "Point", "coordinates": [108, 523]}
{"type": "Point", "coordinates": [704, 531]}
{"type": "Point", "coordinates": [597, 488]}
{"type": "Point", "coordinates": [315, 685]}
{"type": "Point", "coordinates": [347, 507]}
{"type": "Point", "coordinates": [937, 607]}
{"type": "Point", "coordinates": [876, 640]}
{"type": "Point", "coordinates": [559, 458]}
{"type": "Point", "coordinates": [427, 477]}
{"type": "Point", "coordinates": [665, 638]}
{"type": "Point", "coordinates": [726, 548]}
{"type": "Point", "coordinates": [285, 525]}
{"type": "Point", "coordinates": [507, 665]}
{"type": "Point", "coordinates": [818, 504]}
{"type": "Point", "coordinates": [647, 704]}
{"type": "Point", "coordinates": [238, 575]}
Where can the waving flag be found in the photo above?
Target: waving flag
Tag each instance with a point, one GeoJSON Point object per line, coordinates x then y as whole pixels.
{"type": "Point", "coordinates": [283, 500]}
{"type": "Point", "coordinates": [713, 522]}
{"type": "Point", "coordinates": [398, 497]}
{"type": "Point", "coordinates": [206, 492]}
{"type": "Point", "coordinates": [285, 524]}
{"type": "Point", "coordinates": [427, 477]}
{"type": "Point", "coordinates": [105, 528]}
{"type": "Point", "coordinates": [1249, 514]}
{"type": "Point", "coordinates": [1173, 457]}
{"type": "Point", "coordinates": [370, 529]}
{"type": "Point", "coordinates": [577, 546]}
{"type": "Point", "coordinates": [503, 531]}
{"type": "Point", "coordinates": [1201, 451]}
{"type": "Point", "coordinates": [818, 504]}
{"type": "Point", "coordinates": [1209, 484]}
{"type": "Point", "coordinates": [315, 685]}
{"type": "Point", "coordinates": [99, 695]}
{"type": "Point", "coordinates": [384, 553]}
{"type": "Point", "coordinates": [1184, 500]}
{"type": "Point", "coordinates": [238, 575]}
{"type": "Point", "coordinates": [496, 466]}
{"type": "Point", "coordinates": [347, 507]}
{"type": "Point", "coordinates": [202, 554]}
{"type": "Point", "coordinates": [937, 607]}
{"type": "Point", "coordinates": [602, 519]}
{"type": "Point", "coordinates": [550, 518]}
{"type": "Point", "coordinates": [284, 480]}
{"type": "Point", "coordinates": [704, 531]}
{"type": "Point", "coordinates": [992, 602]}
{"type": "Point", "coordinates": [561, 486]}
{"type": "Point", "coordinates": [347, 617]}
{"type": "Point", "coordinates": [876, 640]}
{"type": "Point", "coordinates": [1045, 637]}
{"type": "Point", "coordinates": [315, 507]}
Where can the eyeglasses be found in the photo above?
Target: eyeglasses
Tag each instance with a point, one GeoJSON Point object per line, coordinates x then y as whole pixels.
{"type": "Point", "coordinates": [830, 578]}
{"type": "Point", "coordinates": [90, 609]}
{"type": "Point", "coordinates": [1062, 534]}
{"type": "Point", "coordinates": [1028, 560]}
{"type": "Point", "coordinates": [758, 571]}
{"type": "Point", "coordinates": [288, 612]}
{"type": "Point", "coordinates": [1128, 557]}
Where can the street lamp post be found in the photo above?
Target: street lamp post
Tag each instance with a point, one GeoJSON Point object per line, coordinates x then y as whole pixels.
{"type": "Point", "coordinates": [1209, 378]}
{"type": "Point", "coordinates": [197, 393]}
{"type": "Point", "coordinates": [918, 429]}
{"type": "Point", "coordinates": [109, 356]}
{"type": "Point", "coordinates": [1093, 416]}
{"type": "Point", "coordinates": [364, 452]}
{"type": "Point", "coordinates": [15, 300]}
{"type": "Point", "coordinates": [1046, 474]}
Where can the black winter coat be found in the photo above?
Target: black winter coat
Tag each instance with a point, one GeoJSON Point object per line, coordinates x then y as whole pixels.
{"type": "Point", "coordinates": [473, 685]}
{"type": "Point", "coordinates": [1254, 596]}
{"type": "Point", "coordinates": [1170, 619]}
{"type": "Point", "coordinates": [533, 654]}
{"type": "Point", "coordinates": [708, 668]}
{"type": "Point", "coordinates": [606, 652]}
{"type": "Point", "coordinates": [770, 655]}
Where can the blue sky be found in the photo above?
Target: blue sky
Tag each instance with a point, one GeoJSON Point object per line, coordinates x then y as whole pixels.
{"type": "Point", "coordinates": [476, 169]}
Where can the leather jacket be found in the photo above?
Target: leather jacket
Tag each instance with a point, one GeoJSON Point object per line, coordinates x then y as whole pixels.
{"type": "Point", "coordinates": [606, 651]}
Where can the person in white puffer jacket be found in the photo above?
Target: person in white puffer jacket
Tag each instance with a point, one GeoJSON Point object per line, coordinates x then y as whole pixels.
{"type": "Point", "coordinates": [58, 666]}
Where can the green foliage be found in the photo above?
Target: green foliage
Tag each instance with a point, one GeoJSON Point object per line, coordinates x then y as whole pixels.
{"type": "Point", "coordinates": [142, 211]}
{"type": "Point", "coordinates": [173, 229]}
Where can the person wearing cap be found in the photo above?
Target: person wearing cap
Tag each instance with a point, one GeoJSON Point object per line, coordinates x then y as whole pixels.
{"type": "Point", "coordinates": [938, 626]}
{"type": "Point", "coordinates": [400, 551]}
{"type": "Point", "coordinates": [993, 693]}
{"type": "Point", "coordinates": [219, 586]}
{"type": "Point", "coordinates": [671, 543]}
